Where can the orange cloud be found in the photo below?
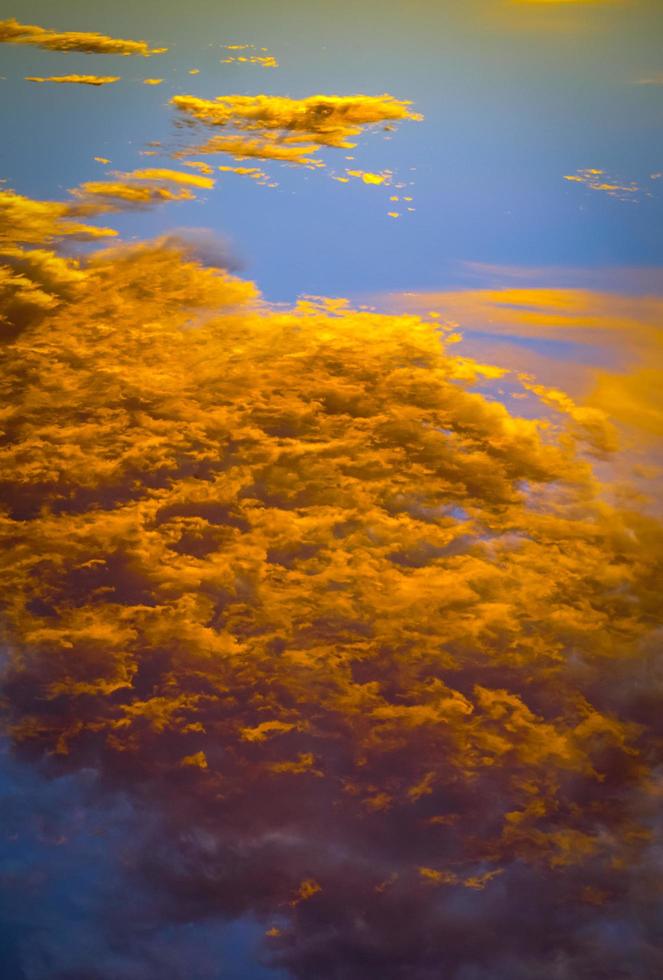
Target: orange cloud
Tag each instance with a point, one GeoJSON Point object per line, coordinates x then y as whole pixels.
{"type": "Point", "coordinates": [263, 59]}
{"type": "Point", "coordinates": [23, 220]}
{"type": "Point", "coordinates": [75, 79]}
{"type": "Point", "coordinates": [12, 32]}
{"type": "Point", "coordinates": [289, 129]}
{"type": "Point", "coordinates": [374, 648]}
{"type": "Point", "coordinates": [618, 334]}
{"type": "Point", "coordinates": [598, 180]}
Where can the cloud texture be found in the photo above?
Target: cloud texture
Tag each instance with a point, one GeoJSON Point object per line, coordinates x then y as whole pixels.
{"type": "Point", "coordinates": [379, 655]}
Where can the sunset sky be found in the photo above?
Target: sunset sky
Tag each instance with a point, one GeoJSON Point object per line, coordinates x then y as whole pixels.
{"type": "Point", "coordinates": [330, 489]}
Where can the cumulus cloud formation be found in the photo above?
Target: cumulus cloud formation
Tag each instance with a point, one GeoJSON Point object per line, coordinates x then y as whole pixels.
{"type": "Point", "coordinates": [276, 127]}
{"type": "Point", "coordinates": [298, 581]}
{"type": "Point", "coordinates": [12, 32]}
{"type": "Point", "coordinates": [75, 79]}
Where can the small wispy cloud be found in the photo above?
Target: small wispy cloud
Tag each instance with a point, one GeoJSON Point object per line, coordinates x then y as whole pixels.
{"type": "Point", "coordinates": [74, 79]}
{"type": "Point", "coordinates": [13, 32]}
{"type": "Point", "coordinates": [598, 180]}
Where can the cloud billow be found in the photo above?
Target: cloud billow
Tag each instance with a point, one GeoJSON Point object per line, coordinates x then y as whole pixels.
{"type": "Point", "coordinates": [357, 636]}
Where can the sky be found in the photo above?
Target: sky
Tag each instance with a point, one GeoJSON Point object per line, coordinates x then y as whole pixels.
{"type": "Point", "coordinates": [330, 496]}
{"type": "Point", "coordinates": [514, 96]}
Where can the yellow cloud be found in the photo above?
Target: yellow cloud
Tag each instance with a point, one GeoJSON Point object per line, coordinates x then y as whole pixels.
{"type": "Point", "coordinates": [621, 328]}
{"type": "Point", "coordinates": [99, 196]}
{"type": "Point", "coordinates": [37, 222]}
{"type": "Point", "coordinates": [13, 32]}
{"type": "Point", "coordinates": [369, 178]}
{"type": "Point", "coordinates": [597, 180]}
{"type": "Point", "coordinates": [266, 147]}
{"type": "Point", "coordinates": [200, 165]}
{"type": "Point", "coordinates": [253, 173]}
{"type": "Point", "coordinates": [265, 61]}
{"type": "Point", "coordinates": [75, 79]}
{"type": "Point", "coordinates": [172, 176]}
{"type": "Point", "coordinates": [291, 129]}
{"type": "Point", "coordinates": [360, 627]}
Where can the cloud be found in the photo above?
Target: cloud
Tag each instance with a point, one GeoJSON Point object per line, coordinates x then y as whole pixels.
{"type": "Point", "coordinates": [103, 196]}
{"type": "Point", "coordinates": [370, 178]}
{"type": "Point", "coordinates": [377, 653]}
{"type": "Point", "coordinates": [263, 59]}
{"type": "Point", "coordinates": [253, 173]}
{"type": "Point", "coordinates": [172, 176]}
{"type": "Point", "coordinates": [266, 147]}
{"type": "Point", "coordinates": [12, 32]}
{"type": "Point", "coordinates": [25, 220]}
{"type": "Point", "coordinates": [75, 79]}
{"type": "Point", "coordinates": [598, 180]}
{"type": "Point", "coordinates": [594, 342]}
{"type": "Point", "coordinates": [276, 127]}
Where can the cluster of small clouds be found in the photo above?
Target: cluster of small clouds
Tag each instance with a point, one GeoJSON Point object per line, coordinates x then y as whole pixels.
{"type": "Point", "coordinates": [298, 581]}
{"type": "Point", "coordinates": [290, 131]}
{"type": "Point", "coordinates": [384, 178]}
{"type": "Point", "coordinates": [598, 180]}
{"type": "Point", "coordinates": [264, 127]}
{"type": "Point", "coordinates": [264, 59]}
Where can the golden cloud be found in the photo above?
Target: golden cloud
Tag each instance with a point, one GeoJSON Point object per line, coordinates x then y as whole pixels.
{"type": "Point", "coordinates": [276, 127]}
{"type": "Point", "coordinates": [35, 222]}
{"type": "Point", "coordinates": [598, 180]}
{"type": "Point", "coordinates": [12, 32]}
{"type": "Point", "coordinates": [618, 328]}
{"type": "Point", "coordinates": [265, 61]}
{"type": "Point", "coordinates": [299, 577]}
{"type": "Point", "coordinates": [75, 79]}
